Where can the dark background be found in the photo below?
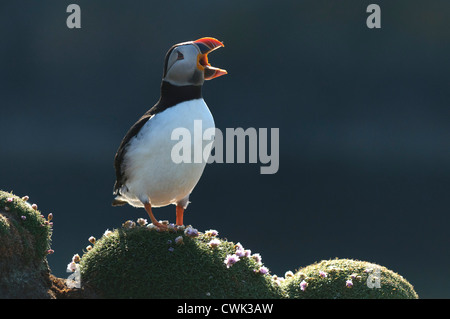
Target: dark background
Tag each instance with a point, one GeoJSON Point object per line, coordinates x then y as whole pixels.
{"type": "Point", "coordinates": [363, 117]}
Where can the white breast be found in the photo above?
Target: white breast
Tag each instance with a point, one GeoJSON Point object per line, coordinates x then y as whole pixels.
{"type": "Point", "coordinates": [151, 172]}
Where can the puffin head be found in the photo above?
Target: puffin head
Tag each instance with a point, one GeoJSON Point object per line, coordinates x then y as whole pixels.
{"type": "Point", "coordinates": [187, 63]}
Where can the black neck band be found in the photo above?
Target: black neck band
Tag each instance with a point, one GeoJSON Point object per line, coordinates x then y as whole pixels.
{"type": "Point", "coordinates": [172, 94]}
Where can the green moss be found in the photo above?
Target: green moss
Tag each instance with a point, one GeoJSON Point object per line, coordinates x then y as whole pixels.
{"type": "Point", "coordinates": [27, 226]}
{"type": "Point", "coordinates": [24, 244]}
{"type": "Point", "coordinates": [143, 263]}
{"type": "Point", "coordinates": [135, 262]}
{"type": "Point", "coordinates": [4, 226]}
{"type": "Point", "coordinates": [347, 279]}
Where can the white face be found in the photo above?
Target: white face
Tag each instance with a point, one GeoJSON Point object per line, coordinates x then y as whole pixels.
{"type": "Point", "coordinates": [182, 65]}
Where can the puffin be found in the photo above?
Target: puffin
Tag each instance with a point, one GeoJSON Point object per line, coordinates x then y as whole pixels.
{"type": "Point", "coordinates": [146, 173]}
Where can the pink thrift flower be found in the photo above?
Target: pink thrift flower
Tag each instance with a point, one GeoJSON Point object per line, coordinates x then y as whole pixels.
{"type": "Point", "coordinates": [349, 283]}
{"type": "Point", "coordinates": [142, 221]}
{"type": "Point", "coordinates": [263, 270]}
{"type": "Point", "coordinates": [191, 232]}
{"type": "Point", "coordinates": [212, 232]}
{"type": "Point", "coordinates": [214, 243]}
{"type": "Point", "coordinates": [257, 257]}
{"type": "Point", "coordinates": [179, 240]}
{"type": "Point", "coordinates": [107, 233]}
{"type": "Point", "coordinates": [289, 274]}
{"type": "Point", "coordinates": [303, 285]}
{"type": "Point", "coordinates": [71, 267]}
{"type": "Point", "coordinates": [240, 253]}
{"type": "Point", "coordinates": [231, 260]}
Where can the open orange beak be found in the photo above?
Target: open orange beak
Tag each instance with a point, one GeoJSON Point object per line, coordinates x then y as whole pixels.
{"type": "Point", "coordinates": [207, 45]}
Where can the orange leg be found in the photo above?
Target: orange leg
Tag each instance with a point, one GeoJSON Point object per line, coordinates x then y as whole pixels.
{"type": "Point", "coordinates": [148, 208]}
{"type": "Point", "coordinates": [180, 212]}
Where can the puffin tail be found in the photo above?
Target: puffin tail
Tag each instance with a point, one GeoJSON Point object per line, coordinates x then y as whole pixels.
{"type": "Point", "coordinates": [116, 191]}
{"type": "Point", "coordinates": [118, 202]}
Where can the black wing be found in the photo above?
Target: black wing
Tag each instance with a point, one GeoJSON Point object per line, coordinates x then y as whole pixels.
{"type": "Point", "coordinates": [118, 159]}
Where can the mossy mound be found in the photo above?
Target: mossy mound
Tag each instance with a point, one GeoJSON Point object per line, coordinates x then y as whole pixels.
{"type": "Point", "coordinates": [347, 279]}
{"type": "Point", "coordinates": [25, 237]}
{"type": "Point", "coordinates": [137, 261]}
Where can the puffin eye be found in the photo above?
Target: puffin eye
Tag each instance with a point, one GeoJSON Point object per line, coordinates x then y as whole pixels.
{"type": "Point", "coordinates": [180, 56]}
